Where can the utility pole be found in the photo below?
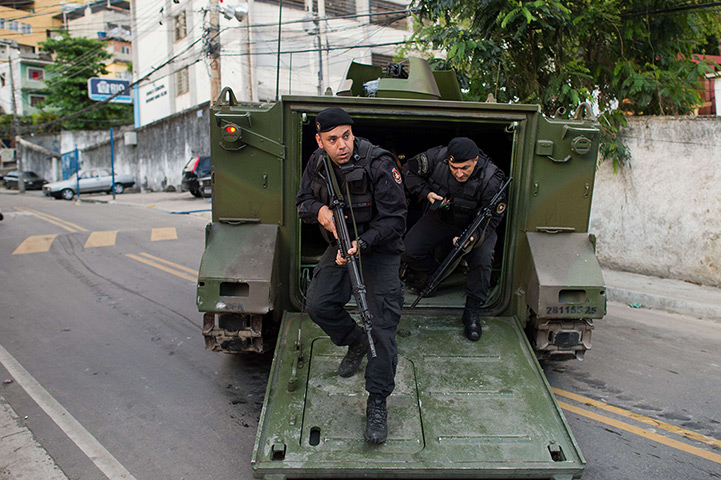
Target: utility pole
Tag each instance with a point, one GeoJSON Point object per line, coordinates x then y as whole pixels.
{"type": "Point", "coordinates": [214, 49]}
{"type": "Point", "coordinates": [14, 130]}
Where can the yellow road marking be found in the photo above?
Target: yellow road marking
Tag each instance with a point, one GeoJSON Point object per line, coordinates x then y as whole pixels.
{"type": "Point", "coordinates": [174, 265]}
{"type": "Point", "coordinates": [641, 418]}
{"type": "Point", "coordinates": [714, 457]}
{"type": "Point", "coordinates": [101, 239]}
{"type": "Point", "coordinates": [163, 234]}
{"type": "Point", "coordinates": [161, 267]}
{"type": "Point", "coordinates": [71, 227]}
{"type": "Point", "coordinates": [35, 244]}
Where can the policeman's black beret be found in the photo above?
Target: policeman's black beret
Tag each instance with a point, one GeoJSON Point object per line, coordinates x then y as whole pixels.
{"type": "Point", "coordinates": [462, 149]}
{"type": "Point", "coordinates": [328, 119]}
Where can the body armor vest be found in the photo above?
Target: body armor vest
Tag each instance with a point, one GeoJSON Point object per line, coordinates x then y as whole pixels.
{"type": "Point", "coordinates": [354, 178]}
{"type": "Point", "coordinates": [464, 202]}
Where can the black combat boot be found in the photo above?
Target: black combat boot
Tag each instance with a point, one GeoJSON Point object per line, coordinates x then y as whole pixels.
{"type": "Point", "coordinates": [376, 419]}
{"type": "Point", "coordinates": [472, 321]}
{"type": "Point", "coordinates": [352, 360]}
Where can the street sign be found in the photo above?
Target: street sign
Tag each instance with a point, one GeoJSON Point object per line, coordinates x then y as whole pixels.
{"type": "Point", "coordinates": [102, 88]}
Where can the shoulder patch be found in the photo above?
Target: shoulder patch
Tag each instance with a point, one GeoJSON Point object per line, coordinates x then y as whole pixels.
{"type": "Point", "coordinates": [397, 176]}
{"type": "Point", "coordinates": [501, 208]}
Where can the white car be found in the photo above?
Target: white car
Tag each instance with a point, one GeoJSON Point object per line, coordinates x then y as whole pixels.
{"type": "Point", "coordinates": [94, 180]}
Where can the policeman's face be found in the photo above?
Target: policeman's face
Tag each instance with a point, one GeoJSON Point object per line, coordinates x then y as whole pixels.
{"type": "Point", "coordinates": [462, 171]}
{"type": "Point", "coordinates": [337, 143]}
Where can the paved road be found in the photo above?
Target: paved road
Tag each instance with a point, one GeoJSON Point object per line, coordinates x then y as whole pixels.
{"type": "Point", "coordinates": [102, 338]}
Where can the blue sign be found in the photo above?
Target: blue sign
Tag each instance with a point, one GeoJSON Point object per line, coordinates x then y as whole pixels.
{"type": "Point", "coordinates": [103, 88]}
{"type": "Point", "coordinates": [69, 163]}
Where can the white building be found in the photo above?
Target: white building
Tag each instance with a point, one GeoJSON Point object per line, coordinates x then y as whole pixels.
{"type": "Point", "coordinates": [173, 48]}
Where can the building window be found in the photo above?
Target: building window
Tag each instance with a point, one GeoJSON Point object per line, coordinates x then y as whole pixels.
{"type": "Point", "coordinates": [182, 83]}
{"type": "Point", "coordinates": [13, 25]}
{"type": "Point", "coordinates": [125, 50]}
{"type": "Point", "coordinates": [288, 3]}
{"type": "Point", "coordinates": [26, 28]}
{"type": "Point", "coordinates": [180, 28]}
{"type": "Point", "coordinates": [36, 100]}
{"type": "Point", "coordinates": [337, 8]}
{"type": "Point", "coordinates": [397, 20]}
{"type": "Point", "coordinates": [2, 23]}
{"type": "Point", "coordinates": [36, 74]}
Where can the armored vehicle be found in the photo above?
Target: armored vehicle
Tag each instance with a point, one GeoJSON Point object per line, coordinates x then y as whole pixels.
{"type": "Point", "coordinates": [461, 409]}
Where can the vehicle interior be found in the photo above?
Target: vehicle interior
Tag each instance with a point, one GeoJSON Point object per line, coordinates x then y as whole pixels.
{"type": "Point", "coordinates": [405, 139]}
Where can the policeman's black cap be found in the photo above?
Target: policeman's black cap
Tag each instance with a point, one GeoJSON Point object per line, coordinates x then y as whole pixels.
{"type": "Point", "coordinates": [462, 149]}
{"type": "Point", "coordinates": [328, 119]}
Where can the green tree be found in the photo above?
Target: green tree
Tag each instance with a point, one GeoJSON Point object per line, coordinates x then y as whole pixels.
{"type": "Point", "coordinates": [76, 60]}
{"type": "Point", "coordinates": [639, 56]}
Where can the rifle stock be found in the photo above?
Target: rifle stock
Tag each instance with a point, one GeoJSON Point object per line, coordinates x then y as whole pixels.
{"type": "Point", "coordinates": [345, 244]}
{"type": "Point", "coordinates": [462, 244]}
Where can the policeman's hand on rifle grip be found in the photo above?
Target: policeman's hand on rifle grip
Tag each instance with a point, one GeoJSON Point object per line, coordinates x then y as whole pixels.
{"type": "Point", "coordinates": [325, 218]}
{"type": "Point", "coordinates": [351, 251]}
{"type": "Point", "coordinates": [469, 242]}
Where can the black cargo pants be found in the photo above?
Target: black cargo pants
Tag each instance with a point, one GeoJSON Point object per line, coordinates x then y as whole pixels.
{"type": "Point", "coordinates": [429, 233]}
{"type": "Point", "coordinates": [330, 290]}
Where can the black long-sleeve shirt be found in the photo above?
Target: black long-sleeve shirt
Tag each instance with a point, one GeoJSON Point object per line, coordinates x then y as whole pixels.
{"type": "Point", "coordinates": [384, 232]}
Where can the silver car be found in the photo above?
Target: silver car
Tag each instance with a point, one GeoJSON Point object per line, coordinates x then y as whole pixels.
{"type": "Point", "coordinates": [90, 181]}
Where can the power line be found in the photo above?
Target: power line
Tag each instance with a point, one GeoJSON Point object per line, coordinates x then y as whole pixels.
{"type": "Point", "coordinates": [639, 13]}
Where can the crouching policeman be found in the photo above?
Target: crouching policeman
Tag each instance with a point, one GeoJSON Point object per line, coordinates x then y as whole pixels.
{"type": "Point", "coordinates": [456, 181]}
{"type": "Point", "coordinates": [371, 184]}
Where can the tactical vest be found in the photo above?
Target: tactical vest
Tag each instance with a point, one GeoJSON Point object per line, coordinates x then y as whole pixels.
{"type": "Point", "coordinates": [465, 203]}
{"type": "Point", "coordinates": [356, 176]}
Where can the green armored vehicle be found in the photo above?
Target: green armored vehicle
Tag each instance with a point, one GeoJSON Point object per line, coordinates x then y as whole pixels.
{"type": "Point", "coordinates": [461, 409]}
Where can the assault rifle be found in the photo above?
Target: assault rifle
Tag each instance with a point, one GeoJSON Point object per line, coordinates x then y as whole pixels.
{"type": "Point", "coordinates": [344, 243]}
{"type": "Point", "coordinates": [463, 244]}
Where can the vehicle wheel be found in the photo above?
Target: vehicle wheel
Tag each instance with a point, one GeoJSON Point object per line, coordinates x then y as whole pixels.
{"type": "Point", "coordinates": [197, 193]}
{"type": "Point", "coordinates": [67, 194]}
{"type": "Point", "coordinates": [119, 188]}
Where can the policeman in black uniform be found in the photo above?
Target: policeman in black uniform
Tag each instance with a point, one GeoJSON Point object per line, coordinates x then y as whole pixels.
{"type": "Point", "coordinates": [367, 174]}
{"type": "Point", "coordinates": [456, 181]}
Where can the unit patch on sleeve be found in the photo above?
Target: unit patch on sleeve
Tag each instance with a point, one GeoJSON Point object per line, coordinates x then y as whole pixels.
{"type": "Point", "coordinates": [397, 176]}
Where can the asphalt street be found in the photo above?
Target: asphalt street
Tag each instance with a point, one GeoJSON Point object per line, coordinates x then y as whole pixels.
{"type": "Point", "coordinates": [640, 405]}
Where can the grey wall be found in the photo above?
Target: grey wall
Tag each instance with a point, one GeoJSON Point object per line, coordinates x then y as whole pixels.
{"type": "Point", "coordinates": [163, 148]}
{"type": "Point", "coordinates": [661, 215]}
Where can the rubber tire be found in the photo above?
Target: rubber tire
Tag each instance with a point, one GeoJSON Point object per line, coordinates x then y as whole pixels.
{"type": "Point", "coordinates": [119, 188]}
{"type": "Point", "coordinates": [67, 194]}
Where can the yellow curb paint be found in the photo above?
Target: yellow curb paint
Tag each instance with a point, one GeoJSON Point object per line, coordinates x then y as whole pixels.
{"type": "Point", "coordinates": [35, 244]}
{"type": "Point", "coordinates": [101, 239]}
{"type": "Point", "coordinates": [159, 234]}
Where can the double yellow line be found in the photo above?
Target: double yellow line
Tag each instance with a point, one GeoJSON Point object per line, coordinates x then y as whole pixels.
{"type": "Point", "coordinates": [165, 266]}
{"type": "Point", "coordinates": [653, 436]}
{"type": "Point", "coordinates": [70, 227]}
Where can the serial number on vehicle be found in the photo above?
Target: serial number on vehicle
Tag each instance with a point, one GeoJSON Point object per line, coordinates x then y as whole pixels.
{"type": "Point", "coordinates": [571, 309]}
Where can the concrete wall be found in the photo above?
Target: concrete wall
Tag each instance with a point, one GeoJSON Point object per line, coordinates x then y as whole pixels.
{"type": "Point", "coordinates": [660, 215]}
{"type": "Point", "coordinates": [163, 148]}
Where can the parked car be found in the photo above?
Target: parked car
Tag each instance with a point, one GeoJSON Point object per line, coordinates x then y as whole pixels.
{"type": "Point", "coordinates": [195, 169]}
{"type": "Point", "coordinates": [31, 180]}
{"type": "Point", "coordinates": [206, 186]}
{"type": "Point", "coordinates": [91, 181]}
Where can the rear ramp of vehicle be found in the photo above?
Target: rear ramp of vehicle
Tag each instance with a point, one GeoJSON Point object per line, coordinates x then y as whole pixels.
{"type": "Point", "coordinates": [460, 409]}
